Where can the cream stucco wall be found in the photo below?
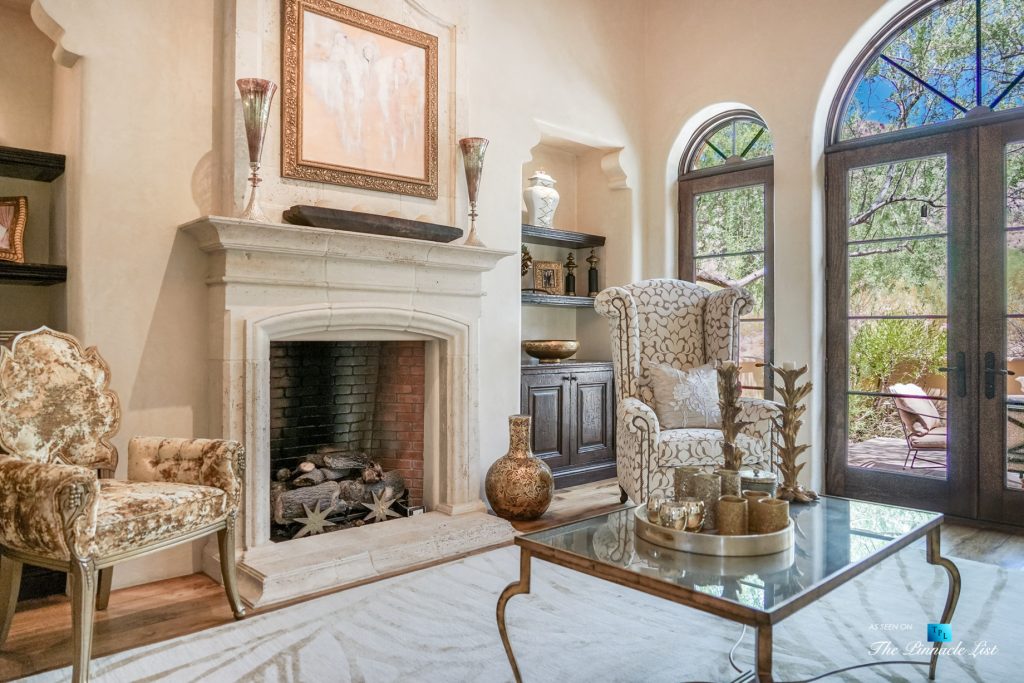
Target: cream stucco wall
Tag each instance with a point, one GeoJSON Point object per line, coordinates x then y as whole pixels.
{"type": "Point", "coordinates": [785, 60]}
{"type": "Point", "coordinates": [148, 116]}
{"type": "Point", "coordinates": [26, 76]}
{"type": "Point", "coordinates": [136, 118]}
{"type": "Point", "coordinates": [149, 119]}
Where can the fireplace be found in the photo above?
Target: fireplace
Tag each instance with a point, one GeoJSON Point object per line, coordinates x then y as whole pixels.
{"type": "Point", "coordinates": [271, 286]}
{"type": "Point", "coordinates": [346, 433]}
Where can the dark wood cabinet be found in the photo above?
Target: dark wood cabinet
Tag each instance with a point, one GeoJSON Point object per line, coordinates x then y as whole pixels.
{"type": "Point", "coordinates": [573, 411]}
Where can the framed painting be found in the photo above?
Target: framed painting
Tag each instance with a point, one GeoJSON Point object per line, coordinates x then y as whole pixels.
{"type": "Point", "coordinates": [13, 214]}
{"type": "Point", "coordinates": [359, 102]}
{"type": "Point", "coordinates": [547, 277]}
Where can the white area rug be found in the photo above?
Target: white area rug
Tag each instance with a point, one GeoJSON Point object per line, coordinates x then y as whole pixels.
{"type": "Point", "coordinates": [438, 624]}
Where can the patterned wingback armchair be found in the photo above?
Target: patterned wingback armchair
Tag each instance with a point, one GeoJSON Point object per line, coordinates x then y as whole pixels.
{"type": "Point", "coordinates": [683, 325]}
{"type": "Point", "coordinates": [56, 419]}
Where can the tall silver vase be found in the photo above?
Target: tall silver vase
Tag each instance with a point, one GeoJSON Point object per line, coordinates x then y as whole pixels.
{"type": "Point", "coordinates": [257, 94]}
{"type": "Point", "coordinates": [473, 150]}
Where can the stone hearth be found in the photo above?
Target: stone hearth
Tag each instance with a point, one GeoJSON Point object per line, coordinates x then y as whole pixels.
{"type": "Point", "coordinates": [271, 282]}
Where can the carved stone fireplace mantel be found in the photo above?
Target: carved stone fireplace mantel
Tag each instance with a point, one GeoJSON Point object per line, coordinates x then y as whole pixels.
{"type": "Point", "coordinates": [276, 282]}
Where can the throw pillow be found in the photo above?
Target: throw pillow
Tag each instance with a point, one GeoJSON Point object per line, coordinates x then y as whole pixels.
{"type": "Point", "coordinates": [919, 406]}
{"type": "Point", "coordinates": [686, 398]}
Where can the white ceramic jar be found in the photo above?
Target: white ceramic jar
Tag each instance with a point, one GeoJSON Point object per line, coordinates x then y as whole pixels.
{"type": "Point", "coordinates": [541, 199]}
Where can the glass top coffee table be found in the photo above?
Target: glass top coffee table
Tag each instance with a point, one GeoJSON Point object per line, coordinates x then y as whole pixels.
{"type": "Point", "coordinates": [835, 540]}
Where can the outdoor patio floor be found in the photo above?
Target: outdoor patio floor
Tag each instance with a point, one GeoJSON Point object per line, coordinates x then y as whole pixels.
{"type": "Point", "coordinates": [884, 453]}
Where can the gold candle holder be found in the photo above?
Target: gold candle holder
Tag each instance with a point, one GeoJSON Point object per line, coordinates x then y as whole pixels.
{"type": "Point", "coordinates": [732, 515]}
{"type": "Point", "coordinates": [687, 514]}
{"type": "Point", "coordinates": [787, 426]}
{"type": "Point", "coordinates": [753, 496]}
{"type": "Point", "coordinates": [654, 505]}
{"type": "Point", "coordinates": [708, 488]}
{"type": "Point", "coordinates": [768, 515]}
{"type": "Point", "coordinates": [730, 482]}
{"type": "Point", "coordinates": [682, 479]}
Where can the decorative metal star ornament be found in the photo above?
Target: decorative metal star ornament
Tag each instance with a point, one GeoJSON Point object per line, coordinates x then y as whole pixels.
{"type": "Point", "coordinates": [315, 522]}
{"type": "Point", "coordinates": [379, 509]}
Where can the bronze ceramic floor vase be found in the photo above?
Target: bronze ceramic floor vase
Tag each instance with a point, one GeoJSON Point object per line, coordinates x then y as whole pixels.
{"type": "Point", "coordinates": [519, 486]}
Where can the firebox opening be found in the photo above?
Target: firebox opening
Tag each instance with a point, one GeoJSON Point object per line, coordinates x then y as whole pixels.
{"type": "Point", "coordinates": [346, 434]}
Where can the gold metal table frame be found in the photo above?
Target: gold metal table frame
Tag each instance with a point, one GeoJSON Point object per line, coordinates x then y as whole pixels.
{"type": "Point", "coordinates": [762, 622]}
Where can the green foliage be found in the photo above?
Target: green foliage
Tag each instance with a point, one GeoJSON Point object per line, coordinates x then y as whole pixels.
{"type": "Point", "coordinates": [939, 49]}
{"type": "Point", "coordinates": [882, 353]}
{"type": "Point", "coordinates": [732, 221]}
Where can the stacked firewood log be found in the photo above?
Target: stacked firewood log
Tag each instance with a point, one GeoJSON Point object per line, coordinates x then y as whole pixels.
{"type": "Point", "coordinates": [334, 479]}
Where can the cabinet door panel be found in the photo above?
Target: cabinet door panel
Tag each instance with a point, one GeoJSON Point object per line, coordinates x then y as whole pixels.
{"type": "Point", "coordinates": [544, 398]}
{"type": "Point", "coordinates": [594, 418]}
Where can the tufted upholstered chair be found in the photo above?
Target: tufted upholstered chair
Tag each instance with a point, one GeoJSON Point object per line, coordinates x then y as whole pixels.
{"type": "Point", "coordinates": [684, 325]}
{"type": "Point", "coordinates": [56, 418]}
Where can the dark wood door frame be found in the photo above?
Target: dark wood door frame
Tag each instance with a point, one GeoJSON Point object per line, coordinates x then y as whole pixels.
{"type": "Point", "coordinates": [995, 501]}
{"type": "Point", "coordinates": [957, 494]}
{"type": "Point", "coordinates": [757, 172]}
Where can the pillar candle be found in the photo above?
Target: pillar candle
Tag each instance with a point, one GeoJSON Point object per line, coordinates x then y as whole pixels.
{"type": "Point", "coordinates": [730, 482]}
{"type": "Point", "coordinates": [708, 487]}
{"type": "Point", "coordinates": [732, 516]}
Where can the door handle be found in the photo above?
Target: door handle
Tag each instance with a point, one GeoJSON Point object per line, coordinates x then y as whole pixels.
{"type": "Point", "coordinates": [991, 372]}
{"type": "Point", "coordinates": [961, 373]}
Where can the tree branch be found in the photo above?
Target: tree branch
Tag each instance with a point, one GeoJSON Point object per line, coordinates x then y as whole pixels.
{"type": "Point", "coordinates": [720, 281]}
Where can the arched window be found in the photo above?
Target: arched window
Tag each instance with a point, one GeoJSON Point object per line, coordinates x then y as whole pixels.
{"type": "Point", "coordinates": [960, 58]}
{"type": "Point", "coordinates": [725, 224]}
{"type": "Point", "coordinates": [925, 263]}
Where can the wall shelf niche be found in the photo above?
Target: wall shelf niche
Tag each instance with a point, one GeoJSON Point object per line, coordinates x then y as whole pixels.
{"type": "Point", "coordinates": [27, 164]}
{"type": "Point", "coordinates": [552, 237]}
{"type": "Point", "coordinates": [537, 299]}
{"type": "Point", "coordinates": [38, 274]}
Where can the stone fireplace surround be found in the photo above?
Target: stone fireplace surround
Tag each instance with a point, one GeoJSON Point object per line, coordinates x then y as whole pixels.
{"type": "Point", "coordinates": [277, 282]}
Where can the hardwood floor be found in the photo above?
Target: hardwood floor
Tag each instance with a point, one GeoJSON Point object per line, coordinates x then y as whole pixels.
{"type": "Point", "coordinates": [40, 637]}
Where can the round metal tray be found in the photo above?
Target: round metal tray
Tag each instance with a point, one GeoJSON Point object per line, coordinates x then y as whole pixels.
{"type": "Point", "coordinates": [666, 559]}
{"type": "Point", "coordinates": [711, 543]}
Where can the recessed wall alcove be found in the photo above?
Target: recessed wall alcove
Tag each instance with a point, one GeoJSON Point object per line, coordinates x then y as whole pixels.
{"type": "Point", "coordinates": [594, 197]}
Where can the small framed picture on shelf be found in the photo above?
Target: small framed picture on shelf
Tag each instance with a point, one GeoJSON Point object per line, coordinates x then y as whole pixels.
{"type": "Point", "coordinates": [13, 214]}
{"type": "Point", "coordinates": [547, 277]}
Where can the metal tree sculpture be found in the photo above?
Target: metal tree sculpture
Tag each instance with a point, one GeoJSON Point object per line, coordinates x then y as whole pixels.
{"type": "Point", "coordinates": [787, 425]}
{"type": "Point", "coordinates": [729, 390]}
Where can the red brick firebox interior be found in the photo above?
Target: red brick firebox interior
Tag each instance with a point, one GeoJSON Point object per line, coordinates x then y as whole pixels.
{"type": "Point", "coordinates": [363, 395]}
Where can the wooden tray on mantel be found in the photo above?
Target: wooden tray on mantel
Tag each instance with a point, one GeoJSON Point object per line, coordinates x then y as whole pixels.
{"type": "Point", "coordinates": [356, 221]}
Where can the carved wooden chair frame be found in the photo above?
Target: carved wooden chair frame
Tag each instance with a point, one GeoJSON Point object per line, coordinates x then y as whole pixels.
{"type": "Point", "coordinates": [91, 575]}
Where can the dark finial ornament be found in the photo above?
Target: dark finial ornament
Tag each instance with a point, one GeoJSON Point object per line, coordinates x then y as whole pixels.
{"type": "Point", "coordinates": [592, 287]}
{"type": "Point", "coordinates": [570, 278]}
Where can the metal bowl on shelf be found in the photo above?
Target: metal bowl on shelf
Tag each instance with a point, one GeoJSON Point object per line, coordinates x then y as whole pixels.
{"type": "Point", "coordinates": [551, 350]}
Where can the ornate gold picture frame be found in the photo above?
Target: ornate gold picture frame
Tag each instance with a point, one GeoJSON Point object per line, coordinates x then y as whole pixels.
{"type": "Point", "coordinates": [13, 215]}
{"type": "Point", "coordinates": [359, 102]}
{"type": "Point", "coordinates": [547, 277]}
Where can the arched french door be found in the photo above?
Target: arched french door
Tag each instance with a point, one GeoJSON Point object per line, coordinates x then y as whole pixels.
{"type": "Point", "coordinates": [726, 181]}
{"type": "Point", "coordinates": [925, 264]}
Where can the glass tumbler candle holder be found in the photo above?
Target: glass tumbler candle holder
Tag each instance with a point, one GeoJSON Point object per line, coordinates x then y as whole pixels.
{"type": "Point", "coordinates": [672, 515]}
{"type": "Point", "coordinates": [654, 504]}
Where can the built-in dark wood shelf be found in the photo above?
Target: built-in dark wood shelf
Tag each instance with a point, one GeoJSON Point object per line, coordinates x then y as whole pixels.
{"type": "Point", "coordinates": [29, 164]}
{"type": "Point", "coordinates": [41, 274]}
{"type": "Point", "coordinates": [534, 299]}
{"type": "Point", "coordinates": [569, 239]}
